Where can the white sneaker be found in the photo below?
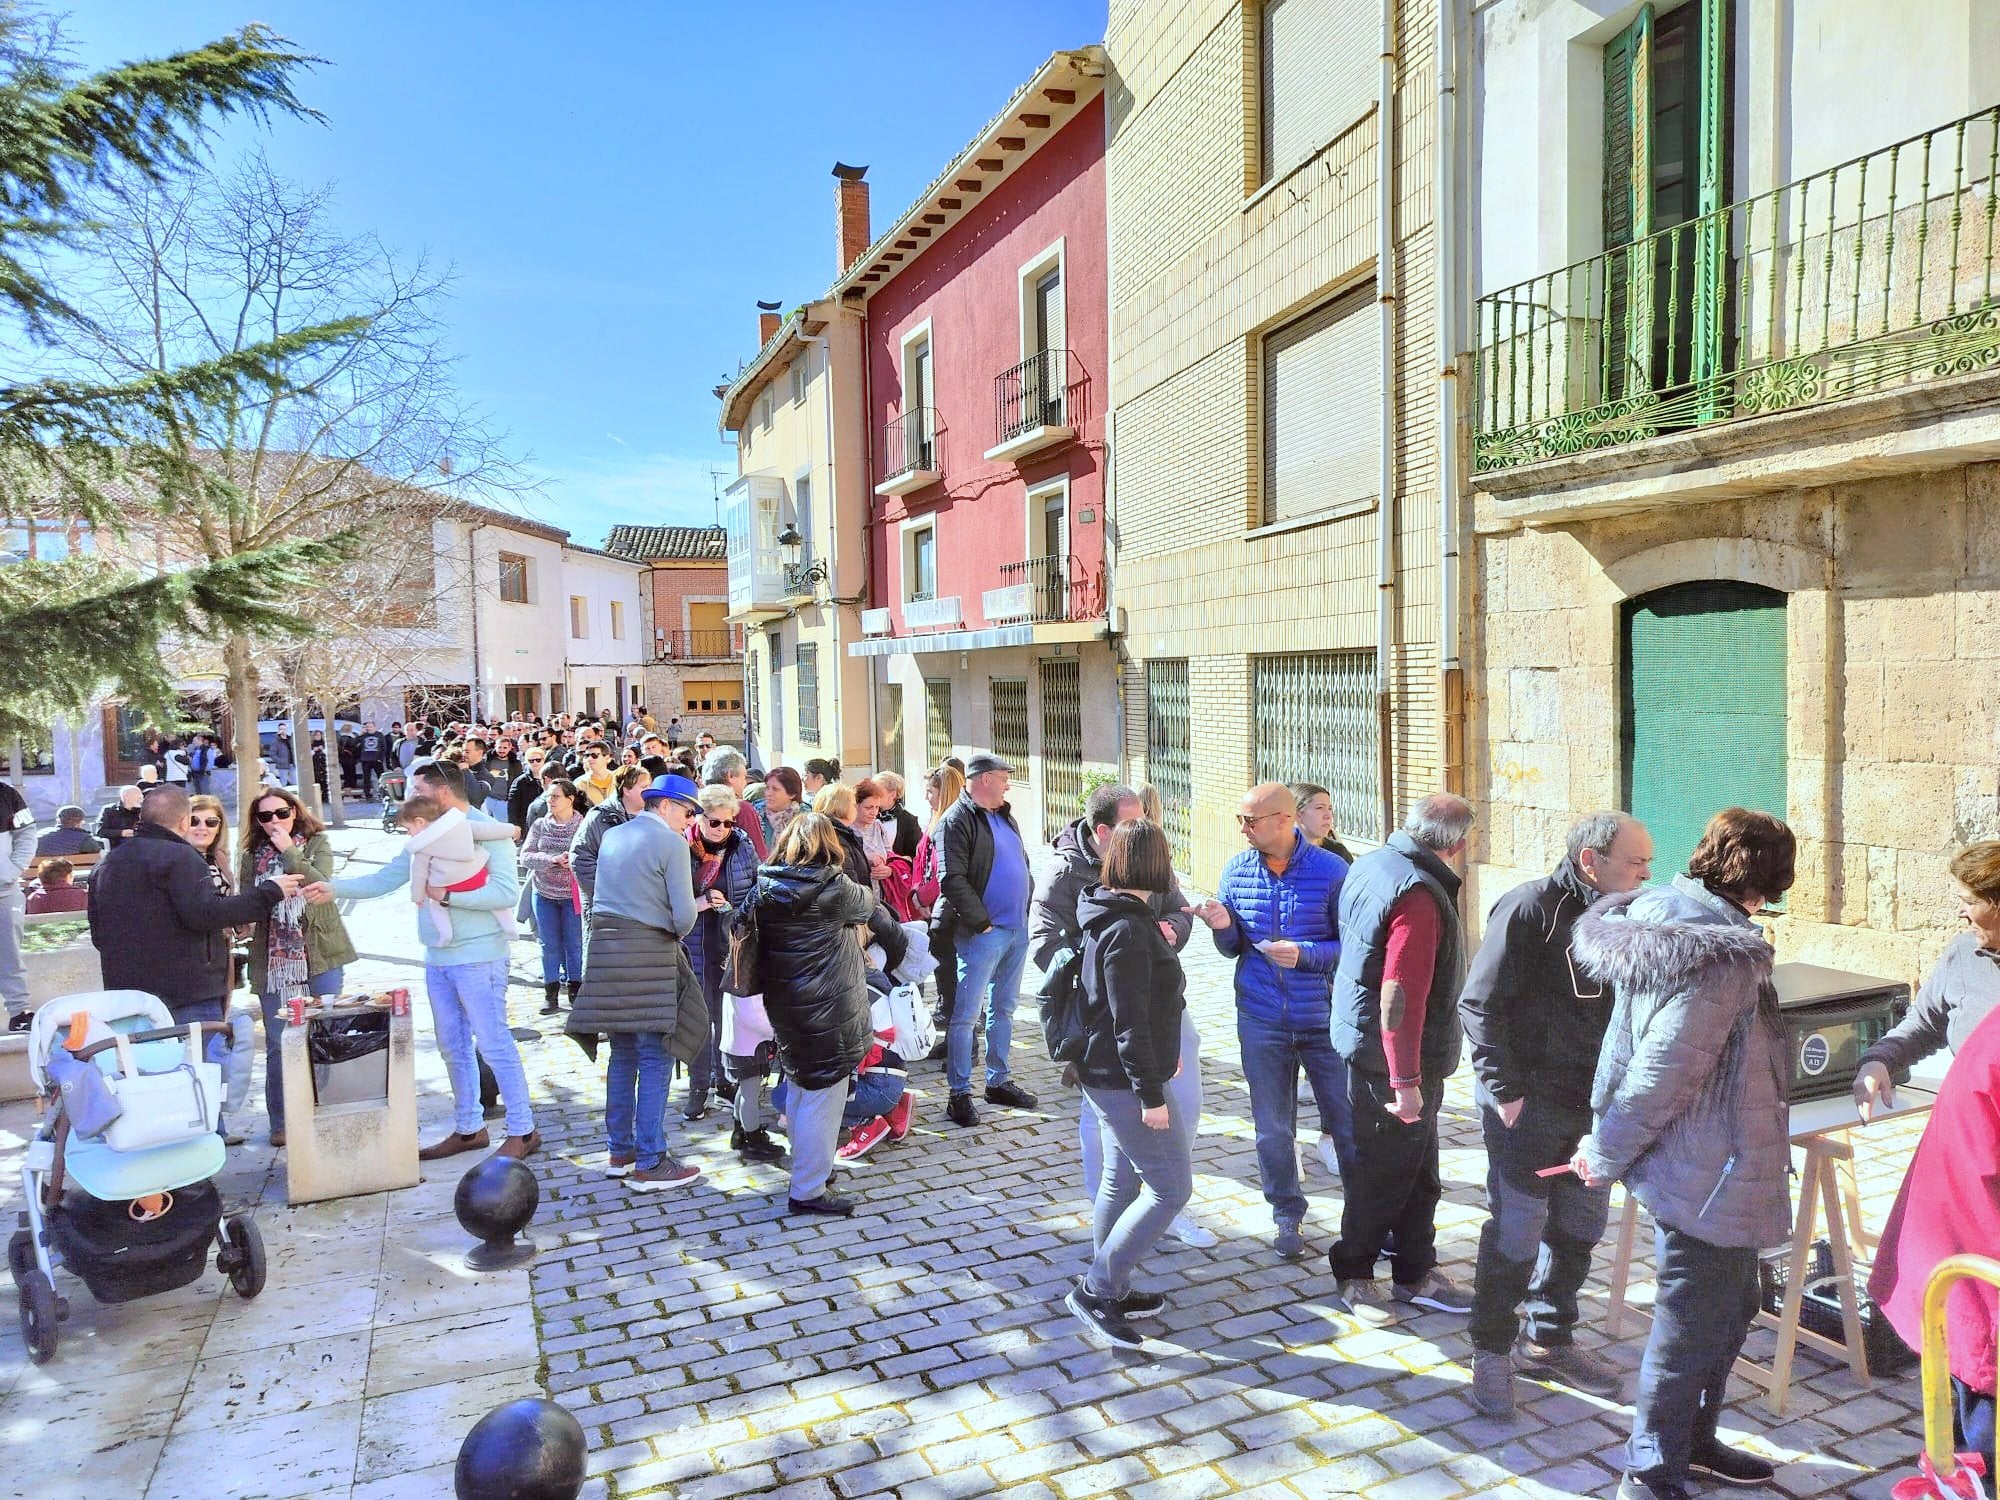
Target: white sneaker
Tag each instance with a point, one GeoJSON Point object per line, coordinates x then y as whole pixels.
{"type": "Point", "coordinates": [1188, 1232]}
{"type": "Point", "coordinates": [1328, 1156]}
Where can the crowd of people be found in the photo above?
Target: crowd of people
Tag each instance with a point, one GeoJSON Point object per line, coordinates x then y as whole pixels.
{"type": "Point", "coordinates": [765, 937]}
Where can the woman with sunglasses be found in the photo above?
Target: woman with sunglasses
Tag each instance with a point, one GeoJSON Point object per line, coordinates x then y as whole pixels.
{"type": "Point", "coordinates": [208, 831]}
{"type": "Point", "coordinates": [301, 948]}
{"type": "Point", "coordinates": [597, 781]}
{"type": "Point", "coordinates": [557, 903]}
{"type": "Point", "coordinates": [725, 872]}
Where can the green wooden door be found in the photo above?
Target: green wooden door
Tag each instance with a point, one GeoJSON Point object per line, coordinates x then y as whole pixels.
{"type": "Point", "coordinates": [1704, 710]}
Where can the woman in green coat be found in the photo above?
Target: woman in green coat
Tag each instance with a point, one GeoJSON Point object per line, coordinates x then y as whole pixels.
{"type": "Point", "coordinates": [300, 948]}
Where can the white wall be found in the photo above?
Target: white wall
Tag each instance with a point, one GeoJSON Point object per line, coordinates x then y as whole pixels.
{"type": "Point", "coordinates": [598, 659]}
{"type": "Point", "coordinates": [518, 643]}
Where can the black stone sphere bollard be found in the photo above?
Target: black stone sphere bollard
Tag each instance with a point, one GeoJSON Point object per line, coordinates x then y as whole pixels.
{"type": "Point", "coordinates": [494, 1202]}
{"type": "Point", "coordinates": [525, 1450]}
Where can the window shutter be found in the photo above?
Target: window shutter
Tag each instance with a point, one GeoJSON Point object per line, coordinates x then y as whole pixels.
{"type": "Point", "coordinates": [1628, 206]}
{"type": "Point", "coordinates": [1320, 65]}
{"type": "Point", "coordinates": [1711, 248]}
{"type": "Point", "coordinates": [1704, 709]}
{"type": "Point", "coordinates": [1322, 410]}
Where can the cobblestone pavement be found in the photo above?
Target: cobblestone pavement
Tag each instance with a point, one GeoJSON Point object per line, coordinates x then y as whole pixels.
{"type": "Point", "coordinates": [712, 1346]}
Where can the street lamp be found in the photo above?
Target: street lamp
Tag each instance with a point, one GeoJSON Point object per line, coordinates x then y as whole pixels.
{"type": "Point", "coordinates": [799, 579]}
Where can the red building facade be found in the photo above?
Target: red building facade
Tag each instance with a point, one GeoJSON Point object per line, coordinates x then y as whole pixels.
{"type": "Point", "coordinates": [986, 356]}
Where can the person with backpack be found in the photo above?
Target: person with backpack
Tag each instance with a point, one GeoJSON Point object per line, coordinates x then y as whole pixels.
{"type": "Point", "coordinates": [1054, 927]}
{"type": "Point", "coordinates": [1133, 996]}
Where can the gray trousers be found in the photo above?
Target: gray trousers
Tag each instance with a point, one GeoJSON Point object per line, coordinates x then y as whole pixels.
{"type": "Point", "coordinates": [13, 972]}
{"type": "Point", "coordinates": [1148, 1178]}
{"type": "Point", "coordinates": [815, 1116]}
{"type": "Point", "coordinates": [1186, 1092]}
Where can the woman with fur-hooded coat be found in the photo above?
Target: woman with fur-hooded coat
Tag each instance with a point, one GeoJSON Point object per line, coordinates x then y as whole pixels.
{"type": "Point", "coordinates": [1691, 1112]}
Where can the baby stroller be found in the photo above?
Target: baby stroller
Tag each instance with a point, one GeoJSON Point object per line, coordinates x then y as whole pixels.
{"type": "Point", "coordinates": [391, 788]}
{"type": "Point", "coordinates": [130, 1207]}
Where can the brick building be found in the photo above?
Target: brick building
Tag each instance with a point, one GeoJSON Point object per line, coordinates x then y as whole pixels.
{"type": "Point", "coordinates": [1277, 572]}
{"type": "Point", "coordinates": [694, 666]}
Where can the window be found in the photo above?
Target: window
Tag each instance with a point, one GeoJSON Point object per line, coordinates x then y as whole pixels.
{"type": "Point", "coordinates": [764, 410]}
{"type": "Point", "coordinates": [46, 541]}
{"type": "Point", "coordinates": [590, 701]}
{"type": "Point", "coordinates": [920, 563]}
{"type": "Point", "coordinates": [1044, 353]}
{"type": "Point", "coordinates": [579, 617]}
{"type": "Point", "coordinates": [712, 697]}
{"type": "Point", "coordinates": [889, 720]}
{"type": "Point", "coordinates": [775, 648]}
{"type": "Point", "coordinates": [1169, 762]}
{"type": "Point", "coordinates": [1062, 743]}
{"type": "Point", "coordinates": [752, 685]}
{"type": "Point", "coordinates": [802, 516]}
{"type": "Point", "coordinates": [617, 620]}
{"type": "Point", "coordinates": [1322, 410]}
{"type": "Point", "coordinates": [513, 578]}
{"type": "Point", "coordinates": [937, 720]}
{"type": "Point", "coordinates": [1010, 722]}
{"type": "Point", "coordinates": [913, 444]}
{"type": "Point", "coordinates": [522, 698]}
{"type": "Point", "coordinates": [1315, 721]}
{"type": "Point", "coordinates": [808, 685]}
{"type": "Point", "coordinates": [800, 376]}
{"type": "Point", "coordinates": [1684, 754]}
{"type": "Point", "coordinates": [1319, 74]}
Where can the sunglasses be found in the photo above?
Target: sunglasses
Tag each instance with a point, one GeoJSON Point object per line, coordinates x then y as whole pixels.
{"type": "Point", "coordinates": [272, 814]}
{"type": "Point", "coordinates": [204, 822]}
{"type": "Point", "coordinates": [716, 823]}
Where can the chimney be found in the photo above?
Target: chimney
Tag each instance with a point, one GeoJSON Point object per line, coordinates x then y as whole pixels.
{"type": "Point", "coordinates": [768, 319]}
{"type": "Point", "coordinates": [851, 238]}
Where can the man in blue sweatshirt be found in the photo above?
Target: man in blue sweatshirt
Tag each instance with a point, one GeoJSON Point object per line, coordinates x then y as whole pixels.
{"type": "Point", "coordinates": [466, 976]}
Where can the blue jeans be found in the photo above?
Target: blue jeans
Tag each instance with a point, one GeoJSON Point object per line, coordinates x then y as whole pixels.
{"type": "Point", "coordinates": [468, 1004]}
{"type": "Point", "coordinates": [1273, 1055]}
{"type": "Point", "coordinates": [1148, 1178]}
{"type": "Point", "coordinates": [559, 925]}
{"type": "Point", "coordinates": [274, 1041]}
{"type": "Point", "coordinates": [991, 959]}
{"type": "Point", "coordinates": [635, 1097]}
{"type": "Point", "coordinates": [1706, 1299]}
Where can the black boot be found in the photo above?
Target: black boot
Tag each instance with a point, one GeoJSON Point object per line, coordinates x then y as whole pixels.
{"type": "Point", "coordinates": [574, 987]}
{"type": "Point", "coordinates": [551, 1006]}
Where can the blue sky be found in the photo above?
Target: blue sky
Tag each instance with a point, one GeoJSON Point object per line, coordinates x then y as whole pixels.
{"type": "Point", "coordinates": [617, 185]}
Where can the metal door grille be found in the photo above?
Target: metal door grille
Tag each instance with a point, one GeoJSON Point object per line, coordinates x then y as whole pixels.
{"type": "Point", "coordinates": [808, 670]}
{"type": "Point", "coordinates": [1315, 721]}
{"type": "Point", "coordinates": [1168, 760]}
{"type": "Point", "coordinates": [1062, 744]}
{"type": "Point", "coordinates": [1010, 722]}
{"type": "Point", "coordinates": [753, 716]}
{"type": "Point", "coordinates": [776, 644]}
{"type": "Point", "coordinates": [937, 720]}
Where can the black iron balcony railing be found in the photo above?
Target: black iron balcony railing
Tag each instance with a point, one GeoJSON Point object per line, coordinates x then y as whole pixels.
{"type": "Point", "coordinates": [1871, 275]}
{"type": "Point", "coordinates": [909, 443]}
{"type": "Point", "coordinates": [1059, 588]}
{"type": "Point", "coordinates": [704, 645]}
{"type": "Point", "coordinates": [1033, 394]}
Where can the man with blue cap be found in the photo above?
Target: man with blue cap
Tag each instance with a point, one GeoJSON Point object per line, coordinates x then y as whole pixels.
{"type": "Point", "coordinates": [638, 986]}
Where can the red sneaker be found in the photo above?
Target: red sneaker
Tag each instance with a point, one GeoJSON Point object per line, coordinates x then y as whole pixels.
{"type": "Point", "coordinates": [865, 1139]}
{"type": "Point", "coordinates": [899, 1118]}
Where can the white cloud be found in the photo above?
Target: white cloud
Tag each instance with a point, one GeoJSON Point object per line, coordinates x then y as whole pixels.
{"type": "Point", "coordinates": [644, 489]}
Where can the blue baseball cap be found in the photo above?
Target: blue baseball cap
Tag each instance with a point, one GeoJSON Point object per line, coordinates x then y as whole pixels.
{"type": "Point", "coordinates": [679, 788]}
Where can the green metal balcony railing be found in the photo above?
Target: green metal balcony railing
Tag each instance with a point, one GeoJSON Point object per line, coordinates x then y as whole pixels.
{"type": "Point", "coordinates": [1871, 275]}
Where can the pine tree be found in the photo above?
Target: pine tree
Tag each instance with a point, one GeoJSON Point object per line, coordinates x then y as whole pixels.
{"type": "Point", "coordinates": [92, 453]}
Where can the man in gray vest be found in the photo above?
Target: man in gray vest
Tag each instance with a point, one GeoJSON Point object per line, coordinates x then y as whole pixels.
{"type": "Point", "coordinates": [1395, 1020]}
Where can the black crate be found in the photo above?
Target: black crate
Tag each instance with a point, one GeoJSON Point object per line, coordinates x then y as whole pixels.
{"type": "Point", "coordinates": [1819, 1309]}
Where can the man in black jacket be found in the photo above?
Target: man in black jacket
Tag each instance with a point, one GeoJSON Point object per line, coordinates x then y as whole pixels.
{"type": "Point", "coordinates": [158, 921]}
{"type": "Point", "coordinates": [1536, 1024]}
{"type": "Point", "coordinates": [985, 904]}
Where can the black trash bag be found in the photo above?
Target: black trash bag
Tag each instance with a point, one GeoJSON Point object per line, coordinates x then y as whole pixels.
{"type": "Point", "coordinates": [345, 1038]}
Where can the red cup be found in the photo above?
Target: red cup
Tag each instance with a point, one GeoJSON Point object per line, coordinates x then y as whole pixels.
{"type": "Point", "coordinates": [399, 1002]}
{"type": "Point", "coordinates": [297, 1006]}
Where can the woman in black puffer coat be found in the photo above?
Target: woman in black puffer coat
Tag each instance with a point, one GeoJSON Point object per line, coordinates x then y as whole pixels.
{"type": "Point", "coordinates": [815, 993]}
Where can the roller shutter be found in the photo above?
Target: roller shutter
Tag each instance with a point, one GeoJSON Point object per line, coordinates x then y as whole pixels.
{"type": "Point", "coordinates": [1322, 410]}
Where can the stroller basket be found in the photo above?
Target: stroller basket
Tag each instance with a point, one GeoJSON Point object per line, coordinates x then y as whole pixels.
{"type": "Point", "coordinates": [121, 1259]}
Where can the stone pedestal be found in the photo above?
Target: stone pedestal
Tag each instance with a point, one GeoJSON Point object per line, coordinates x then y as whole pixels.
{"type": "Point", "coordinates": [366, 1146]}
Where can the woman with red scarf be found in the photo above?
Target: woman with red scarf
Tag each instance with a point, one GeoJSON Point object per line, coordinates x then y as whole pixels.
{"type": "Point", "coordinates": [1950, 1204]}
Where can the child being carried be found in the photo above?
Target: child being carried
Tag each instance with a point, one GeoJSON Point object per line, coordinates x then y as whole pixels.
{"type": "Point", "coordinates": [444, 852]}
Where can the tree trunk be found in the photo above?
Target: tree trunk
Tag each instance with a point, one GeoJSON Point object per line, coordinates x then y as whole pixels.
{"type": "Point", "coordinates": [302, 751]}
{"type": "Point", "coordinates": [240, 676]}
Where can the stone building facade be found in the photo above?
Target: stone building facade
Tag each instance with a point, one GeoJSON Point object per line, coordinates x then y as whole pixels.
{"type": "Point", "coordinates": [1735, 511]}
{"type": "Point", "coordinates": [1275, 407]}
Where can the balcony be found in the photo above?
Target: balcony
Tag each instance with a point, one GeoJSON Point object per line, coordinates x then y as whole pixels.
{"type": "Point", "coordinates": [910, 452]}
{"type": "Point", "coordinates": [1872, 279]}
{"type": "Point", "coordinates": [1046, 591]}
{"type": "Point", "coordinates": [703, 645]}
{"type": "Point", "coordinates": [929, 612]}
{"type": "Point", "coordinates": [1031, 407]}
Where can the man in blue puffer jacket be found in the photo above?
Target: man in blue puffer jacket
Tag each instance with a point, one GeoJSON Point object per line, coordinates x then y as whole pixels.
{"type": "Point", "coordinates": [1276, 913]}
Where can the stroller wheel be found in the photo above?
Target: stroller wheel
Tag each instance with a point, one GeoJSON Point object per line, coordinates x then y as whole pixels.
{"type": "Point", "coordinates": [20, 1256]}
{"type": "Point", "coordinates": [40, 1315]}
{"type": "Point", "coordinates": [242, 1257]}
